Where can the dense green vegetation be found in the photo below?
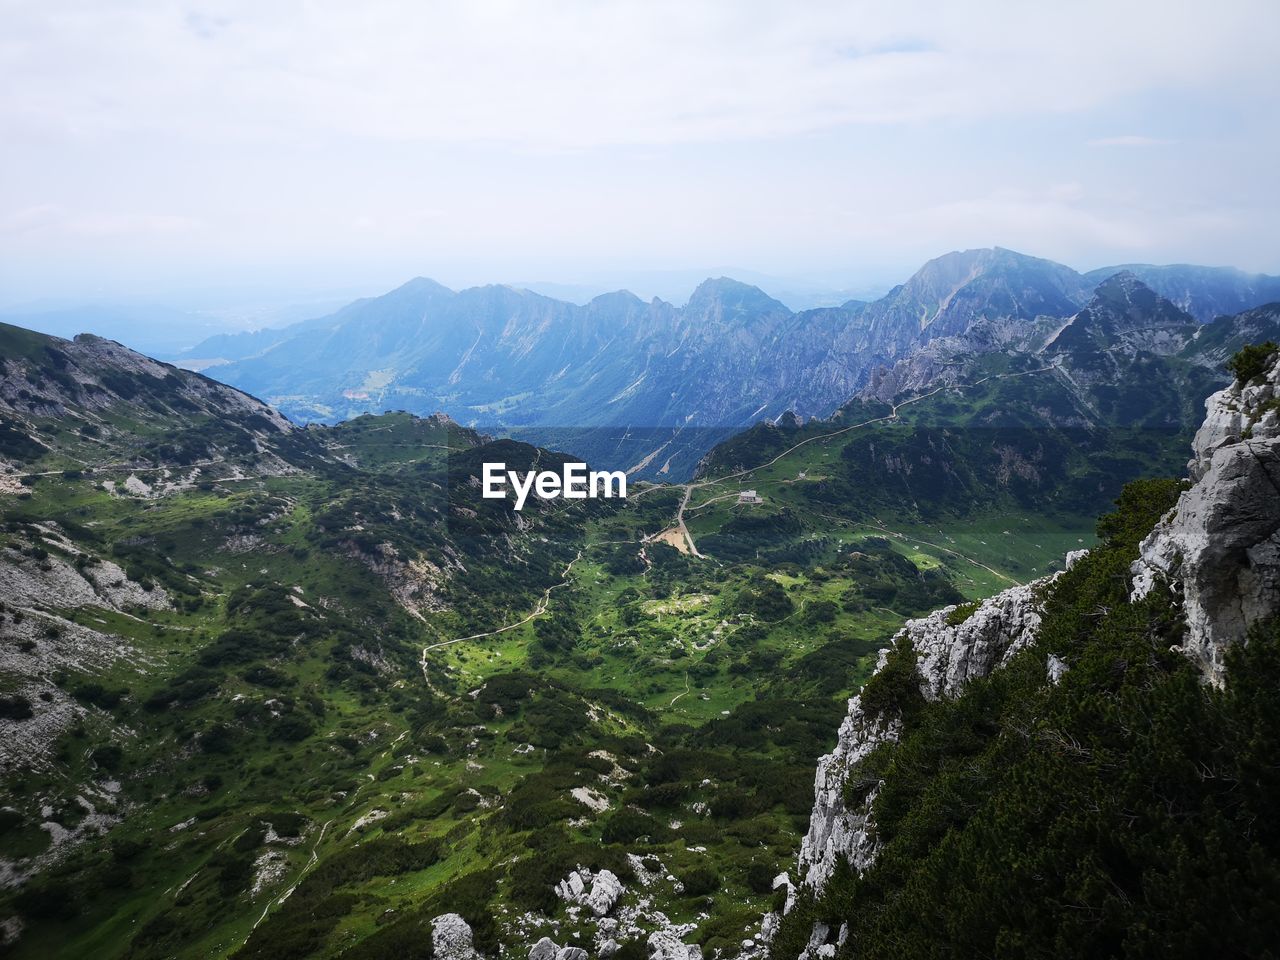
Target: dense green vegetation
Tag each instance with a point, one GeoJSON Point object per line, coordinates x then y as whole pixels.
{"type": "Point", "coordinates": [1251, 361]}
{"type": "Point", "coordinates": [306, 723]}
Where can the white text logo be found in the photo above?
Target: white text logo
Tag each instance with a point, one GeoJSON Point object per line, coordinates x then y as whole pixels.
{"type": "Point", "coordinates": [573, 482]}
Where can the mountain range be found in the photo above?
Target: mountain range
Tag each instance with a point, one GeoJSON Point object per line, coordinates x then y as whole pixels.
{"type": "Point", "coordinates": [274, 690]}
{"type": "Point", "coordinates": [651, 387]}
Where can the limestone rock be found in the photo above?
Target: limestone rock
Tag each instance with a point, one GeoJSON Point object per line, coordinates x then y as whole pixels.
{"type": "Point", "coordinates": [605, 891]}
{"type": "Point", "coordinates": [451, 938]}
{"type": "Point", "coordinates": [544, 949]}
{"type": "Point", "coordinates": [948, 655]}
{"type": "Point", "coordinates": [1055, 667]}
{"type": "Point", "coordinates": [665, 945]}
{"type": "Point", "coordinates": [1219, 550]}
{"type": "Point", "coordinates": [598, 892]}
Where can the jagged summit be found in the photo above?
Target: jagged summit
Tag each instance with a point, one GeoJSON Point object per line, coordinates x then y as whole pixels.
{"type": "Point", "coordinates": [1125, 300]}
{"type": "Point", "coordinates": [1203, 292]}
{"type": "Point", "coordinates": [1124, 312]}
{"type": "Point", "coordinates": [949, 294]}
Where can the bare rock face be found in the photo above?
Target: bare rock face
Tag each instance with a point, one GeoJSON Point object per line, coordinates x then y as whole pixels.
{"type": "Point", "coordinates": [53, 581]}
{"type": "Point", "coordinates": [834, 830]}
{"type": "Point", "coordinates": [948, 656]}
{"type": "Point", "coordinates": [951, 654]}
{"type": "Point", "coordinates": [1219, 550]}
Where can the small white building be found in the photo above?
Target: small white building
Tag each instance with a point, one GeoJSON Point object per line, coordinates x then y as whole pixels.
{"type": "Point", "coordinates": [749, 496]}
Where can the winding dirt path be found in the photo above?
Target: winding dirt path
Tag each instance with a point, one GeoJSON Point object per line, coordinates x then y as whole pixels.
{"type": "Point", "coordinates": [690, 487]}
{"type": "Point", "coordinates": [679, 695]}
{"type": "Point", "coordinates": [538, 611]}
{"type": "Point", "coordinates": [938, 546]}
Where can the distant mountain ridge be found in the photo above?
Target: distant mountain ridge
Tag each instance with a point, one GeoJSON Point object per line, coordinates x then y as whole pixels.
{"type": "Point", "coordinates": [1130, 357]}
{"type": "Point", "coordinates": [650, 387]}
{"type": "Point", "coordinates": [1203, 292]}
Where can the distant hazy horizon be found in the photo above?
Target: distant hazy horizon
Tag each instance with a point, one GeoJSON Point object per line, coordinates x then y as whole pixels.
{"type": "Point", "coordinates": [167, 326]}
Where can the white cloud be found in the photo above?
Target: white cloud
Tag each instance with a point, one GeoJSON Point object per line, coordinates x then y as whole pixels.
{"type": "Point", "coordinates": [517, 138]}
{"type": "Point", "coordinates": [581, 73]}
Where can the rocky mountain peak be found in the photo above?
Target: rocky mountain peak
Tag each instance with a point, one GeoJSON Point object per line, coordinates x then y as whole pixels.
{"type": "Point", "coordinates": [953, 271]}
{"type": "Point", "coordinates": [733, 299]}
{"type": "Point", "coordinates": [1124, 300]}
{"type": "Point", "coordinates": [424, 285]}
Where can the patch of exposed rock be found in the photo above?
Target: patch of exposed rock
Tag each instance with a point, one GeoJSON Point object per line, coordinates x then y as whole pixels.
{"type": "Point", "coordinates": [416, 584]}
{"type": "Point", "coordinates": [50, 580]}
{"type": "Point", "coordinates": [548, 949]}
{"type": "Point", "coordinates": [948, 656]}
{"type": "Point", "coordinates": [33, 647]}
{"type": "Point", "coordinates": [613, 913]}
{"type": "Point", "coordinates": [1219, 549]}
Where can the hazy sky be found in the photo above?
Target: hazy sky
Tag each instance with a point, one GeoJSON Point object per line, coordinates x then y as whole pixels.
{"type": "Point", "coordinates": [156, 147]}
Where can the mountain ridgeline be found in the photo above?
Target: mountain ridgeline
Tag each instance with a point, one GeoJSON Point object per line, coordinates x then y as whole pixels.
{"type": "Point", "coordinates": [651, 387]}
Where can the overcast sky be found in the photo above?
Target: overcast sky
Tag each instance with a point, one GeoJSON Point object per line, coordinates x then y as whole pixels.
{"type": "Point", "coordinates": [152, 147]}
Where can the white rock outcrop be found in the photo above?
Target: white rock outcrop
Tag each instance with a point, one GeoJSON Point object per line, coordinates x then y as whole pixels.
{"type": "Point", "coordinates": [598, 892]}
{"type": "Point", "coordinates": [605, 891]}
{"type": "Point", "coordinates": [666, 945]}
{"type": "Point", "coordinates": [1219, 550]}
{"type": "Point", "coordinates": [948, 655]}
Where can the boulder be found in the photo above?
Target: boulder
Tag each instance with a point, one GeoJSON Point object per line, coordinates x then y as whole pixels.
{"type": "Point", "coordinates": [605, 891]}
{"type": "Point", "coordinates": [451, 938]}
{"type": "Point", "coordinates": [665, 945]}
